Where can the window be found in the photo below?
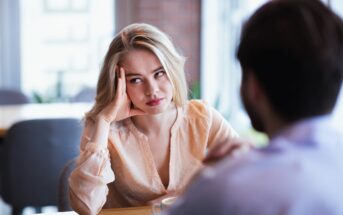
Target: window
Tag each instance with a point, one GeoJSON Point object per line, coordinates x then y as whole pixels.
{"type": "Point", "coordinates": [221, 75]}
{"type": "Point", "coordinates": [63, 43]}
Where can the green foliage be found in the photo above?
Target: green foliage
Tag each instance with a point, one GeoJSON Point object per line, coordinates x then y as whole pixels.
{"type": "Point", "coordinates": [259, 139]}
{"type": "Point", "coordinates": [195, 90]}
{"type": "Point", "coordinates": [39, 98]}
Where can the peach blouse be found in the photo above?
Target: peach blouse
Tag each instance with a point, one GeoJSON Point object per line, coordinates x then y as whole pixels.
{"type": "Point", "coordinates": [124, 174]}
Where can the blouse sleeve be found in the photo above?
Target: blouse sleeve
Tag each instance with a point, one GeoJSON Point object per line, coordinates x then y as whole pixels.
{"type": "Point", "coordinates": [220, 129]}
{"type": "Point", "coordinates": [88, 182]}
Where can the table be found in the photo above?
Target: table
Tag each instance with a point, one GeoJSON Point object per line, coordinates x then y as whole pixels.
{"type": "Point", "coordinates": [10, 114]}
{"type": "Point", "coordinates": [144, 210]}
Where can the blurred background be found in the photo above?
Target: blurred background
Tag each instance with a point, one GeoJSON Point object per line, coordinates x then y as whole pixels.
{"type": "Point", "coordinates": [53, 49]}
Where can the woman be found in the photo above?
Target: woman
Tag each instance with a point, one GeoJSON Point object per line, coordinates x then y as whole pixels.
{"type": "Point", "coordinates": [142, 139]}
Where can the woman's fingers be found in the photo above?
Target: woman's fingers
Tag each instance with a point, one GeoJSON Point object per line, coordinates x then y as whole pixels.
{"type": "Point", "coordinates": [121, 85]}
{"type": "Point", "coordinates": [121, 81]}
{"type": "Point", "coordinates": [122, 103]}
{"type": "Point", "coordinates": [118, 87]}
{"type": "Point", "coordinates": [122, 77]}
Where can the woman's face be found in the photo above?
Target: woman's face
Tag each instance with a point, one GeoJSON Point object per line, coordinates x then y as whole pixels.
{"type": "Point", "coordinates": [147, 83]}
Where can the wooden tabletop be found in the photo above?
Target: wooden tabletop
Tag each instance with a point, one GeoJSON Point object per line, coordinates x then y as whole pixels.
{"type": "Point", "coordinates": [10, 114]}
{"type": "Point", "coordinates": [144, 210]}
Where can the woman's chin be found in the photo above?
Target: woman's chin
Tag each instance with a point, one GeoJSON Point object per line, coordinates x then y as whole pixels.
{"type": "Point", "coordinates": [157, 109]}
{"type": "Point", "coordinates": [153, 110]}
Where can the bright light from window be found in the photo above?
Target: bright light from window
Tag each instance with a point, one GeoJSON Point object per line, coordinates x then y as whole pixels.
{"type": "Point", "coordinates": [221, 75]}
{"type": "Point", "coordinates": [63, 43]}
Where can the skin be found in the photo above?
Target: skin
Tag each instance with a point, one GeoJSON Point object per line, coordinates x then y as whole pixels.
{"type": "Point", "coordinates": [262, 115]}
{"type": "Point", "coordinates": [146, 82]}
{"type": "Point", "coordinates": [260, 111]}
{"type": "Point", "coordinates": [144, 93]}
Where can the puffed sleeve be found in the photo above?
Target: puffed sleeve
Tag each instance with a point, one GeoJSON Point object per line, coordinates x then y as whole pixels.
{"type": "Point", "coordinates": [220, 129]}
{"type": "Point", "coordinates": [88, 182]}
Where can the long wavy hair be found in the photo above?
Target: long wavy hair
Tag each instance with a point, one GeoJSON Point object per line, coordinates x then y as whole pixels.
{"type": "Point", "coordinates": [139, 36]}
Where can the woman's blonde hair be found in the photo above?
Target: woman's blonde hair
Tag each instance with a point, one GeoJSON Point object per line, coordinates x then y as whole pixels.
{"type": "Point", "coordinates": [140, 36]}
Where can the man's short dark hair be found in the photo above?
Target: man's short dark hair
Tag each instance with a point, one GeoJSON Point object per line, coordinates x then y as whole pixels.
{"type": "Point", "coordinates": [295, 49]}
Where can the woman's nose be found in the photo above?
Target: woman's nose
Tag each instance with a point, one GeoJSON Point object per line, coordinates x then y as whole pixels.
{"type": "Point", "coordinates": [151, 88]}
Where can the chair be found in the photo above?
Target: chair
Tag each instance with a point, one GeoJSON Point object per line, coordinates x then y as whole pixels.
{"type": "Point", "coordinates": [63, 187]}
{"type": "Point", "coordinates": [35, 152]}
{"type": "Point", "coordinates": [85, 95]}
{"type": "Point", "coordinates": [11, 97]}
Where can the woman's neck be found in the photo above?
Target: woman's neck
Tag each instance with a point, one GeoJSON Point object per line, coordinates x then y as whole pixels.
{"type": "Point", "coordinates": [155, 124]}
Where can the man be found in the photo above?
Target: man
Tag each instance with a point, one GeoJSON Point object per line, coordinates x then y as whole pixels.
{"type": "Point", "coordinates": [291, 54]}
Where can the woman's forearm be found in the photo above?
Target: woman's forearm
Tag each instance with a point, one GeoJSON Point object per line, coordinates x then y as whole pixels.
{"type": "Point", "coordinates": [100, 136]}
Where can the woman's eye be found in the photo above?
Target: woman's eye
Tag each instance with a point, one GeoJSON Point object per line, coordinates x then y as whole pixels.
{"type": "Point", "coordinates": [159, 74]}
{"type": "Point", "coordinates": [135, 80]}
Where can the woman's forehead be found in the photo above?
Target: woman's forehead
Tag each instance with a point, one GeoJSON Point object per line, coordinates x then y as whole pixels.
{"type": "Point", "coordinates": [140, 59]}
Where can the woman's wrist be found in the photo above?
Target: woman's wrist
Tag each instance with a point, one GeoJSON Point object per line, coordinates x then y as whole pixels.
{"type": "Point", "coordinates": [103, 118]}
{"type": "Point", "coordinates": [101, 131]}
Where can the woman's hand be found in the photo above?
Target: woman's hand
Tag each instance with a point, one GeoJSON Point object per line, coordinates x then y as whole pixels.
{"type": "Point", "coordinates": [233, 147]}
{"type": "Point", "coordinates": [121, 107]}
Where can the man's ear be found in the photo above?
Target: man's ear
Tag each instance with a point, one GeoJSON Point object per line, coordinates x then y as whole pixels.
{"type": "Point", "coordinates": [253, 87]}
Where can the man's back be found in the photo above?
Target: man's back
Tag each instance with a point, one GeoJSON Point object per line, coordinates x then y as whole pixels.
{"type": "Point", "coordinates": [300, 172]}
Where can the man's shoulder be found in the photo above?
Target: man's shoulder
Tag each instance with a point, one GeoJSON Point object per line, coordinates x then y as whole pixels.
{"type": "Point", "coordinates": [273, 170]}
{"type": "Point", "coordinates": [279, 162]}
{"type": "Point", "coordinates": [264, 181]}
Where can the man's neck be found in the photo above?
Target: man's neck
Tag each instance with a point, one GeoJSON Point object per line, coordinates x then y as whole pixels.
{"type": "Point", "coordinates": [274, 123]}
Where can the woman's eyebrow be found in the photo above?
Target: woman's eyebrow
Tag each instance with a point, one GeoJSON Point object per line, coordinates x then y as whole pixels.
{"type": "Point", "coordinates": [129, 74]}
{"type": "Point", "coordinates": [159, 68]}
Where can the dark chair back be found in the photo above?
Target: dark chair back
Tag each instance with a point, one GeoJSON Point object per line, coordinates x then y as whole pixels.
{"type": "Point", "coordinates": [63, 190]}
{"type": "Point", "coordinates": [11, 97]}
{"type": "Point", "coordinates": [34, 154]}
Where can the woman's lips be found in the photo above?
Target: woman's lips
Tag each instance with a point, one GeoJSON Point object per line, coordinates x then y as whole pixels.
{"type": "Point", "coordinates": [154, 102]}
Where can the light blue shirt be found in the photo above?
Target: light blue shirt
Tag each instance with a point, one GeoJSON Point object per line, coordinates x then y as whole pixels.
{"type": "Point", "coordinates": [299, 172]}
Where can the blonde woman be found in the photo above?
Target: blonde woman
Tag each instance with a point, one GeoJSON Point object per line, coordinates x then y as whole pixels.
{"type": "Point", "coordinates": [142, 139]}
